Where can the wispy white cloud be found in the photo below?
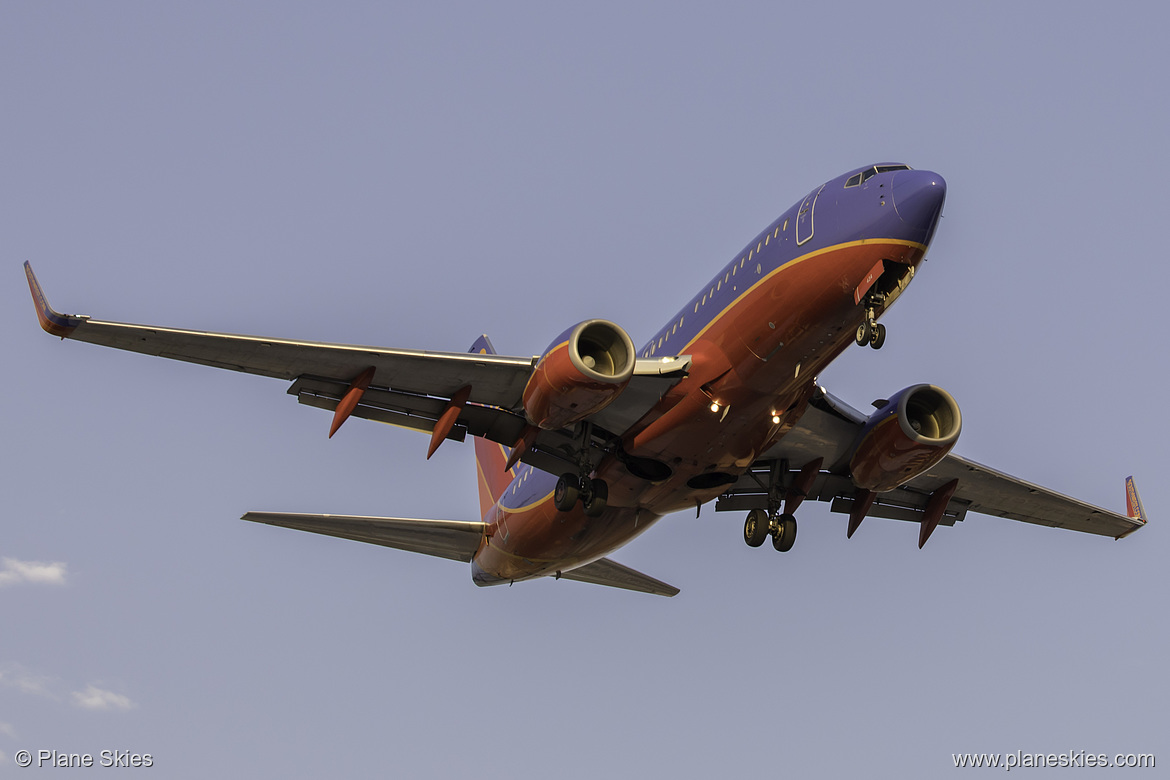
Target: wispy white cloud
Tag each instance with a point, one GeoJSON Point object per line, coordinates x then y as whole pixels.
{"type": "Point", "coordinates": [3, 758]}
{"type": "Point", "coordinates": [95, 698]}
{"type": "Point", "coordinates": [7, 730]}
{"type": "Point", "coordinates": [13, 572]}
{"type": "Point", "coordinates": [17, 677]}
{"type": "Point", "coordinates": [91, 697]}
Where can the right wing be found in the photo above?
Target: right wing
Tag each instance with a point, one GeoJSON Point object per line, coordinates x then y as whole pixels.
{"type": "Point", "coordinates": [494, 379]}
{"type": "Point", "coordinates": [411, 389]}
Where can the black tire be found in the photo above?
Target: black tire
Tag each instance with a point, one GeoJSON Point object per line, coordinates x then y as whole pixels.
{"type": "Point", "coordinates": [598, 497]}
{"type": "Point", "coordinates": [879, 336]}
{"type": "Point", "coordinates": [755, 528]}
{"type": "Point", "coordinates": [864, 334]}
{"type": "Point", "coordinates": [785, 535]}
{"type": "Point", "coordinates": [566, 493]}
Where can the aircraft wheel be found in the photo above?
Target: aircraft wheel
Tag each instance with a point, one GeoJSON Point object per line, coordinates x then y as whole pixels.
{"type": "Point", "coordinates": [785, 535]}
{"type": "Point", "coordinates": [566, 493]}
{"type": "Point", "coordinates": [598, 496]}
{"type": "Point", "coordinates": [755, 528]}
{"type": "Point", "coordinates": [879, 336]}
{"type": "Point", "coordinates": [864, 334]}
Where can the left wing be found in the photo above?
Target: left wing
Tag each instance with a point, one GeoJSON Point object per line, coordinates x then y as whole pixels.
{"type": "Point", "coordinates": [412, 389]}
{"type": "Point", "coordinates": [828, 429]}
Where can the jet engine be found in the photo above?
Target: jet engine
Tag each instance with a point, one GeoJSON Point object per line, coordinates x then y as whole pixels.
{"type": "Point", "coordinates": [908, 434]}
{"type": "Point", "coordinates": [581, 372]}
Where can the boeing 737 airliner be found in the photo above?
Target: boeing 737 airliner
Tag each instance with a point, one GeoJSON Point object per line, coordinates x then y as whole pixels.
{"type": "Point", "coordinates": [586, 446]}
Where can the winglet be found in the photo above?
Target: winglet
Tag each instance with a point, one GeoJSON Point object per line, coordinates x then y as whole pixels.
{"type": "Point", "coordinates": [1133, 502]}
{"type": "Point", "coordinates": [52, 321]}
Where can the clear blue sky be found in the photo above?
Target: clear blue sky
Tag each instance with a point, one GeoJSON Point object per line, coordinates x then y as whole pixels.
{"type": "Point", "coordinates": [415, 174]}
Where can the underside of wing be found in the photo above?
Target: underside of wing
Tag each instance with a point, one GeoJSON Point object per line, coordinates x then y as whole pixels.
{"type": "Point", "coordinates": [615, 575]}
{"type": "Point", "coordinates": [453, 539]}
{"type": "Point", "coordinates": [494, 379]}
{"type": "Point", "coordinates": [991, 492]}
{"type": "Point", "coordinates": [828, 430]}
{"type": "Point", "coordinates": [408, 388]}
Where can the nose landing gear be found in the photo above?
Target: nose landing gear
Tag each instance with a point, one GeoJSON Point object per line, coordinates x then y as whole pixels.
{"type": "Point", "coordinates": [870, 331]}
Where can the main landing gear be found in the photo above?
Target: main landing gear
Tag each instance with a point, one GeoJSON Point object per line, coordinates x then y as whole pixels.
{"type": "Point", "coordinates": [760, 525]}
{"type": "Point", "coordinates": [594, 494]}
{"type": "Point", "coordinates": [870, 331]}
{"type": "Point", "coordinates": [781, 526]}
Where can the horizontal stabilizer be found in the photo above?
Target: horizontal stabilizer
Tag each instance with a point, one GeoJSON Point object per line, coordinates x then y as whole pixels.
{"type": "Point", "coordinates": [613, 574]}
{"type": "Point", "coordinates": [453, 539]}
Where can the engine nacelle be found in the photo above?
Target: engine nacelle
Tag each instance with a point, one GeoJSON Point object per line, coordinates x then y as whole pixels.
{"type": "Point", "coordinates": [914, 430]}
{"type": "Point", "coordinates": [582, 372]}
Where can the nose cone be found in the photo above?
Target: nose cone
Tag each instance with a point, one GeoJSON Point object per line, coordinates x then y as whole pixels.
{"type": "Point", "coordinates": [918, 200]}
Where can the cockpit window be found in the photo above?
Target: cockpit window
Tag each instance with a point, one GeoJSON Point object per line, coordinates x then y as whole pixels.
{"type": "Point", "coordinates": [866, 175]}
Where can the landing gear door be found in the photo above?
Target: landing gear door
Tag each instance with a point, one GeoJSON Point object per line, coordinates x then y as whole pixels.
{"type": "Point", "coordinates": [804, 217]}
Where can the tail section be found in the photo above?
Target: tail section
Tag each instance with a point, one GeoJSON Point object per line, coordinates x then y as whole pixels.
{"type": "Point", "coordinates": [490, 458]}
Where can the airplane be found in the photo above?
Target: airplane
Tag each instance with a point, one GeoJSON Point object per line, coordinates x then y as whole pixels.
{"type": "Point", "coordinates": [584, 447]}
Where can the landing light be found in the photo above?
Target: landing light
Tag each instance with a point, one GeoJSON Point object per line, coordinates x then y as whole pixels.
{"type": "Point", "coordinates": [775, 419]}
{"type": "Point", "coordinates": [714, 407]}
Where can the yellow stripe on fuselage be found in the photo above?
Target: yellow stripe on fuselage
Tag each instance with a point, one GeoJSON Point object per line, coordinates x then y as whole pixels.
{"type": "Point", "coordinates": [792, 262]}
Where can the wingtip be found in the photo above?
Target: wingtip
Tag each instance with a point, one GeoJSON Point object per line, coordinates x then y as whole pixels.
{"type": "Point", "coordinates": [1133, 502]}
{"type": "Point", "coordinates": [51, 320]}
